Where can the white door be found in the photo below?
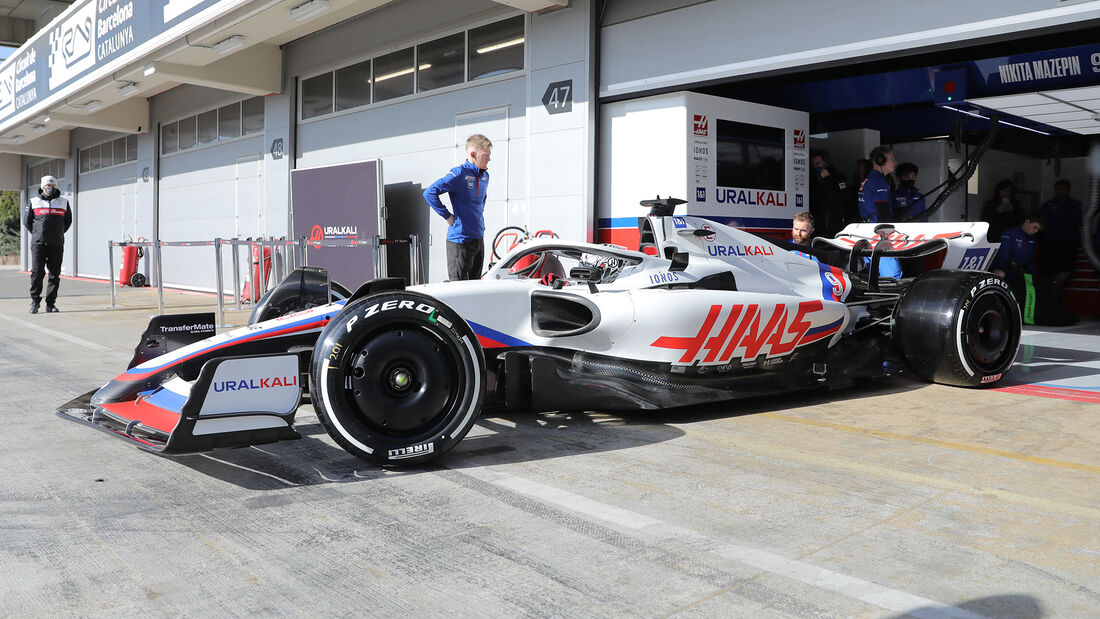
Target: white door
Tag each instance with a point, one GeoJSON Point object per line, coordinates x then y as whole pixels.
{"type": "Point", "coordinates": [248, 216]}
{"type": "Point", "coordinates": [130, 207]}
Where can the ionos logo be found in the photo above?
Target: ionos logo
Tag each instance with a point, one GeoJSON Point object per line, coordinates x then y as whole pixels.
{"type": "Point", "coordinates": [700, 124]}
{"type": "Point", "coordinates": [799, 138]}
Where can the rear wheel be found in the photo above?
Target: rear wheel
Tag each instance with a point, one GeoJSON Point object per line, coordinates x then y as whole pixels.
{"type": "Point", "coordinates": [958, 327]}
{"type": "Point", "coordinates": [397, 378]}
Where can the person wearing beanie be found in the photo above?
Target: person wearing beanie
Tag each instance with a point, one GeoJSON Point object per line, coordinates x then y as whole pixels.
{"type": "Point", "coordinates": [48, 218]}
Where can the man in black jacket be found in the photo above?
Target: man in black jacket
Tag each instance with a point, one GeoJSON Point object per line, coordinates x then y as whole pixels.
{"type": "Point", "coordinates": [829, 194]}
{"type": "Point", "coordinates": [48, 218]}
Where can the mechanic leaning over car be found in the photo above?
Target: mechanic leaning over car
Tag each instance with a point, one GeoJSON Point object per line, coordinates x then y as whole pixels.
{"type": "Point", "coordinates": [466, 185]}
{"type": "Point", "coordinates": [48, 218]}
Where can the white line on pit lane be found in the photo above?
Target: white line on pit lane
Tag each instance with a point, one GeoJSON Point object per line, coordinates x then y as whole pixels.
{"type": "Point", "coordinates": [822, 578]}
{"type": "Point", "coordinates": [64, 336]}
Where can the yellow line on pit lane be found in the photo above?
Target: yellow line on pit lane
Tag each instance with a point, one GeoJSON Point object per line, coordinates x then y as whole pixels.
{"type": "Point", "coordinates": [1065, 464]}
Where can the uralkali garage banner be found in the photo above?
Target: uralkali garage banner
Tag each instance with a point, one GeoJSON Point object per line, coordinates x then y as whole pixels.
{"type": "Point", "coordinates": [85, 37]}
{"type": "Point", "coordinates": [735, 162]}
{"type": "Point", "coordinates": [340, 203]}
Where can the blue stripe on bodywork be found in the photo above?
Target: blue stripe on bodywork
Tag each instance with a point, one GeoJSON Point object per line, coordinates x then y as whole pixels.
{"type": "Point", "coordinates": [495, 335]}
{"type": "Point", "coordinates": [829, 327]}
{"type": "Point", "coordinates": [167, 399]}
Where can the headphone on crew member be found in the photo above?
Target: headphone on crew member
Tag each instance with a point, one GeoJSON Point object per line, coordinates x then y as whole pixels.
{"type": "Point", "coordinates": [879, 155]}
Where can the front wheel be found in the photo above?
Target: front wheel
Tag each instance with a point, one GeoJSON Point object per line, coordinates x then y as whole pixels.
{"type": "Point", "coordinates": [958, 327]}
{"type": "Point", "coordinates": [397, 378]}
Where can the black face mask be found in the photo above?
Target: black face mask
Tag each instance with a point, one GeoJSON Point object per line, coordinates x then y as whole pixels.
{"type": "Point", "coordinates": [52, 194]}
{"type": "Point", "coordinates": [909, 183]}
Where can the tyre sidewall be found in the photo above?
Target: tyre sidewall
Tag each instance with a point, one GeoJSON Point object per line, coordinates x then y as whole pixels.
{"type": "Point", "coordinates": [929, 326]}
{"type": "Point", "coordinates": [346, 334]}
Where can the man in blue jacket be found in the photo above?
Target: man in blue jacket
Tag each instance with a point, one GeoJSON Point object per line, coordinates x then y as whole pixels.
{"type": "Point", "coordinates": [1015, 262]}
{"type": "Point", "coordinates": [466, 185]}
{"type": "Point", "coordinates": [1017, 254]}
{"type": "Point", "coordinates": [874, 192]}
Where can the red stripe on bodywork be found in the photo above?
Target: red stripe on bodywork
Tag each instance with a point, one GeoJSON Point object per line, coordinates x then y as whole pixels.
{"type": "Point", "coordinates": [148, 414]}
{"type": "Point", "coordinates": [488, 343]}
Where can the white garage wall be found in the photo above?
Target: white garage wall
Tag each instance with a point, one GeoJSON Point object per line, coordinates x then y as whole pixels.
{"type": "Point", "coordinates": [724, 38]}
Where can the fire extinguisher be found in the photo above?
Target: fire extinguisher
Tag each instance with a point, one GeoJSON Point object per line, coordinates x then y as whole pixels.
{"type": "Point", "coordinates": [128, 274]}
{"type": "Point", "coordinates": [261, 255]}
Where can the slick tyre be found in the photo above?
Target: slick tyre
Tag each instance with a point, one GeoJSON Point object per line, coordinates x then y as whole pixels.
{"type": "Point", "coordinates": [958, 327]}
{"type": "Point", "coordinates": [397, 378]}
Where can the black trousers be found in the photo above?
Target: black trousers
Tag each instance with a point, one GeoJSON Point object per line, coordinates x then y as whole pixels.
{"type": "Point", "coordinates": [464, 260]}
{"type": "Point", "coordinates": [46, 257]}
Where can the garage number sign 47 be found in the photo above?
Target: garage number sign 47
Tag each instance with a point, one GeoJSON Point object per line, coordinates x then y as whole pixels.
{"type": "Point", "coordinates": [558, 98]}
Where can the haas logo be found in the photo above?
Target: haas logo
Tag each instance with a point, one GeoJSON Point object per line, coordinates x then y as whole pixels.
{"type": "Point", "coordinates": [700, 124]}
{"type": "Point", "coordinates": [799, 138]}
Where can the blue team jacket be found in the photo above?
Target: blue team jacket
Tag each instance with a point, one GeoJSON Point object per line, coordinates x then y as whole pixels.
{"type": "Point", "coordinates": [1016, 246]}
{"type": "Point", "coordinates": [466, 185]}
{"type": "Point", "coordinates": [874, 194]}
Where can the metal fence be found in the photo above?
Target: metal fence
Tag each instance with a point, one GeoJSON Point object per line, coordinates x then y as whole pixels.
{"type": "Point", "coordinates": [285, 255]}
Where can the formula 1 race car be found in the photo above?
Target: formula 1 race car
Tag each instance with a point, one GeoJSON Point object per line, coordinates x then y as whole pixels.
{"type": "Point", "coordinates": [702, 313]}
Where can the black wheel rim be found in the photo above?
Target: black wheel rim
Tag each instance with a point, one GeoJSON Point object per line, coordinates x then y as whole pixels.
{"type": "Point", "coordinates": [989, 332]}
{"type": "Point", "coordinates": [403, 380]}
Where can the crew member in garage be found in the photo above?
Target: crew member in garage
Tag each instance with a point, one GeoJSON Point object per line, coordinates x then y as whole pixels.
{"type": "Point", "coordinates": [874, 192]}
{"type": "Point", "coordinates": [1015, 262]}
{"type": "Point", "coordinates": [829, 193]}
{"type": "Point", "coordinates": [48, 218]}
{"type": "Point", "coordinates": [907, 200]}
{"type": "Point", "coordinates": [802, 232]}
{"type": "Point", "coordinates": [466, 185]}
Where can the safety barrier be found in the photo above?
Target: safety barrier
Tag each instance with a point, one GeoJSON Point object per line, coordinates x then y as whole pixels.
{"type": "Point", "coordinates": [285, 255]}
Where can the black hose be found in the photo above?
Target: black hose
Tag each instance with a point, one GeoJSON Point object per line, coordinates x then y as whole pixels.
{"type": "Point", "coordinates": [956, 181]}
{"type": "Point", "coordinates": [1090, 217]}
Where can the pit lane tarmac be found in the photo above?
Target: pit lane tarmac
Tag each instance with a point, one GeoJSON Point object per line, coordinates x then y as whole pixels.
{"type": "Point", "coordinates": [893, 498]}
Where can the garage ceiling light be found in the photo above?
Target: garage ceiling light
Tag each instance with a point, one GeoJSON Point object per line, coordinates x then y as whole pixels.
{"type": "Point", "coordinates": [496, 46]}
{"type": "Point", "coordinates": [14, 139]}
{"type": "Point", "coordinates": [128, 89]}
{"type": "Point", "coordinates": [303, 12]}
{"type": "Point", "coordinates": [386, 76]}
{"type": "Point", "coordinates": [39, 128]}
{"type": "Point", "coordinates": [227, 45]}
{"type": "Point", "coordinates": [92, 106]}
{"type": "Point", "coordinates": [150, 69]}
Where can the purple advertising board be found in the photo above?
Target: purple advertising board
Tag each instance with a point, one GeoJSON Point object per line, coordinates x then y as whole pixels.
{"type": "Point", "coordinates": [339, 203]}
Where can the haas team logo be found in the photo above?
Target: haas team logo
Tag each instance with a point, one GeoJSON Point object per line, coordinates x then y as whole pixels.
{"type": "Point", "coordinates": [700, 124]}
{"type": "Point", "coordinates": [799, 138]}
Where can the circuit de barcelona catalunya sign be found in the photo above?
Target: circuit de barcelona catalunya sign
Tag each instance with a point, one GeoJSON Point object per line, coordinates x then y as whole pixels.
{"type": "Point", "coordinates": [89, 34]}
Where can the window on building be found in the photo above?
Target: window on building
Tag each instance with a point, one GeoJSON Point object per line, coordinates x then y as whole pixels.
{"type": "Point", "coordinates": [317, 96]}
{"type": "Point", "coordinates": [187, 133]}
{"type": "Point", "coordinates": [131, 148]}
{"type": "Point", "coordinates": [169, 138]}
{"type": "Point", "coordinates": [119, 148]}
{"type": "Point", "coordinates": [496, 48]}
{"type": "Point", "coordinates": [252, 115]}
{"type": "Point", "coordinates": [353, 86]}
{"type": "Point", "coordinates": [440, 62]}
{"type": "Point", "coordinates": [393, 75]}
{"type": "Point", "coordinates": [229, 122]}
{"type": "Point", "coordinates": [208, 127]}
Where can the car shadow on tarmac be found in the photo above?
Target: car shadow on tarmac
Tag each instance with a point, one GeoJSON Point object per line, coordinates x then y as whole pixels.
{"type": "Point", "coordinates": [500, 437]}
{"type": "Point", "coordinates": [1010, 605]}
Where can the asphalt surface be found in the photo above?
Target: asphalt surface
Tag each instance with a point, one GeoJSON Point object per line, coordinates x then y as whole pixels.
{"type": "Point", "coordinates": [894, 498]}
